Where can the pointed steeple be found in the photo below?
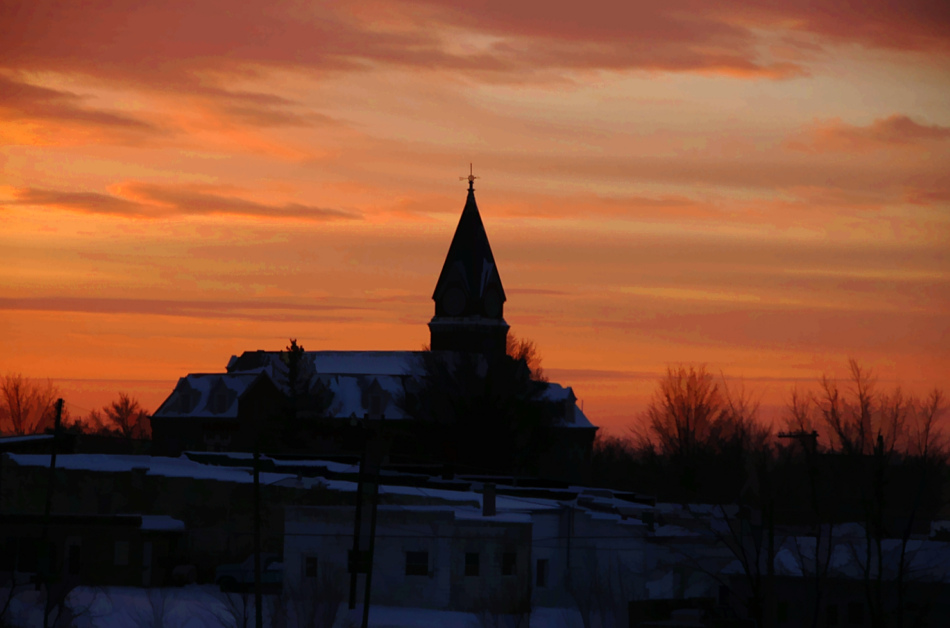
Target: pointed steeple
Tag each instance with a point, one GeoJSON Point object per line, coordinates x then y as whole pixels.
{"type": "Point", "coordinates": [469, 297]}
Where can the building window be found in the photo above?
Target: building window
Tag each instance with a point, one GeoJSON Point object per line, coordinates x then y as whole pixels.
{"type": "Point", "coordinates": [781, 612]}
{"type": "Point", "coordinates": [856, 613]}
{"type": "Point", "coordinates": [417, 563]}
{"type": "Point", "coordinates": [541, 579]}
{"type": "Point", "coordinates": [310, 566]}
{"type": "Point", "coordinates": [831, 615]}
{"type": "Point", "coordinates": [508, 563]}
{"type": "Point", "coordinates": [471, 563]}
{"type": "Point", "coordinates": [73, 556]}
{"type": "Point", "coordinates": [121, 553]}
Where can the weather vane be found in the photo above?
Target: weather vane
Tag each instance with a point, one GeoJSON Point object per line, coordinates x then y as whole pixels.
{"type": "Point", "coordinates": [471, 178]}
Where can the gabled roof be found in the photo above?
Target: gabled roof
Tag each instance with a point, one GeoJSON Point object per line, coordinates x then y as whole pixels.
{"type": "Point", "coordinates": [212, 395]}
{"type": "Point", "coordinates": [469, 259]}
{"type": "Point", "coordinates": [556, 393]}
{"type": "Point", "coordinates": [354, 378]}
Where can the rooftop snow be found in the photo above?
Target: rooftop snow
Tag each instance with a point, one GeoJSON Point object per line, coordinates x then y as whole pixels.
{"type": "Point", "coordinates": [15, 440]}
{"type": "Point", "coordinates": [161, 523]}
{"type": "Point", "coordinates": [168, 467]}
{"type": "Point", "coordinates": [207, 395]}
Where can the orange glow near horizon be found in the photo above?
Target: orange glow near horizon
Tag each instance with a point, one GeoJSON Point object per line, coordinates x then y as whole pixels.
{"type": "Point", "coordinates": [761, 189]}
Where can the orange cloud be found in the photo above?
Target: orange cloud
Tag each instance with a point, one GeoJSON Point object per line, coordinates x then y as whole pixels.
{"type": "Point", "coordinates": [178, 44]}
{"type": "Point", "coordinates": [893, 131]}
{"type": "Point", "coordinates": [143, 200]}
{"type": "Point", "coordinates": [261, 310]}
{"type": "Point", "coordinates": [21, 101]}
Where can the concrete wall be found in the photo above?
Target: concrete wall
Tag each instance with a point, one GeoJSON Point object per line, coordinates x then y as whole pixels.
{"type": "Point", "coordinates": [327, 534]}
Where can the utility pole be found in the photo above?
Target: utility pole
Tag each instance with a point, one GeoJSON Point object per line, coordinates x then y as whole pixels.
{"type": "Point", "coordinates": [354, 564]}
{"type": "Point", "coordinates": [258, 593]}
{"type": "Point", "coordinates": [367, 496]}
{"type": "Point", "coordinates": [46, 568]}
{"type": "Point", "coordinates": [372, 544]}
{"type": "Point", "coordinates": [52, 464]}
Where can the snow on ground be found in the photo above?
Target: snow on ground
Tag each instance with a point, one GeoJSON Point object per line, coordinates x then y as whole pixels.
{"type": "Point", "coordinates": [204, 606]}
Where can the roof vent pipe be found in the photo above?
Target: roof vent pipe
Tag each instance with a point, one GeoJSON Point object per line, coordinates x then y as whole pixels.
{"type": "Point", "coordinates": [488, 500]}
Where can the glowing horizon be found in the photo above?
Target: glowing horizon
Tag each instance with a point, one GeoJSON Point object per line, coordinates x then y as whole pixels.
{"type": "Point", "coordinates": [758, 187]}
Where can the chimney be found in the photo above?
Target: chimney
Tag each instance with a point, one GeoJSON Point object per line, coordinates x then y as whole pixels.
{"type": "Point", "coordinates": [488, 500]}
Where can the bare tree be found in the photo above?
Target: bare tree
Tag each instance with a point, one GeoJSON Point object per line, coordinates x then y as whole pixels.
{"type": "Point", "coordinates": [527, 351]}
{"type": "Point", "coordinates": [26, 405]}
{"type": "Point", "coordinates": [925, 437]}
{"type": "Point", "coordinates": [10, 589]}
{"type": "Point", "coordinates": [691, 412]}
{"type": "Point", "coordinates": [128, 417]}
{"type": "Point", "coordinates": [153, 615]}
{"type": "Point", "coordinates": [60, 609]}
{"type": "Point", "coordinates": [599, 604]}
{"type": "Point", "coordinates": [317, 601]}
{"type": "Point", "coordinates": [858, 417]}
{"type": "Point", "coordinates": [737, 426]}
{"type": "Point", "coordinates": [236, 609]}
{"type": "Point", "coordinates": [891, 438]}
{"type": "Point", "coordinates": [684, 408]}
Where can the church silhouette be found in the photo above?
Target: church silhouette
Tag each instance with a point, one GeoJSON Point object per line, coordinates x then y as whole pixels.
{"type": "Point", "coordinates": [428, 407]}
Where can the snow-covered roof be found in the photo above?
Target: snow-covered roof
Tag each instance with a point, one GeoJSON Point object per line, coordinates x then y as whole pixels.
{"type": "Point", "coordinates": [180, 467]}
{"type": "Point", "coordinates": [161, 523]}
{"type": "Point", "coordinates": [354, 378]}
{"type": "Point", "coordinates": [19, 440]}
{"type": "Point", "coordinates": [350, 398]}
{"type": "Point", "coordinates": [364, 362]}
{"type": "Point", "coordinates": [332, 362]}
{"type": "Point", "coordinates": [208, 394]}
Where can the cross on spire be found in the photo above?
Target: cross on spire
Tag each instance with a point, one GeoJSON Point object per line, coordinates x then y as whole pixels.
{"type": "Point", "coordinates": [471, 178]}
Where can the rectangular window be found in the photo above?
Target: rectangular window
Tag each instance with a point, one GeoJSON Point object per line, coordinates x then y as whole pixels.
{"type": "Point", "coordinates": [9, 554]}
{"type": "Point", "coordinates": [471, 563]}
{"type": "Point", "coordinates": [508, 563]}
{"type": "Point", "coordinates": [310, 566]}
{"type": "Point", "coordinates": [73, 556]}
{"type": "Point", "coordinates": [781, 612]}
{"type": "Point", "coordinates": [831, 615]}
{"type": "Point", "coordinates": [541, 579]}
{"type": "Point", "coordinates": [856, 613]}
{"type": "Point", "coordinates": [121, 553]}
{"type": "Point", "coordinates": [417, 563]}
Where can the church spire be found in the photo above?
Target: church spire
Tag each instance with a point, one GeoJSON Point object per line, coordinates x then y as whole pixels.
{"type": "Point", "coordinates": [469, 297]}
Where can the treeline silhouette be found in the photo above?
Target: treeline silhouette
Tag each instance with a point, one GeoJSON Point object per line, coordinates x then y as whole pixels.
{"type": "Point", "coordinates": [27, 406]}
{"type": "Point", "coordinates": [846, 457]}
{"type": "Point", "coordinates": [843, 452]}
{"type": "Point", "coordinates": [703, 440]}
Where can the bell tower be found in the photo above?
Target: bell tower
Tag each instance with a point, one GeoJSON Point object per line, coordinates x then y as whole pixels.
{"type": "Point", "coordinates": [469, 298]}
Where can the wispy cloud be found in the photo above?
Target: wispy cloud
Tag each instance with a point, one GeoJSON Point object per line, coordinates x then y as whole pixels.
{"type": "Point", "coordinates": [164, 43]}
{"type": "Point", "coordinates": [142, 200]}
{"type": "Point", "coordinates": [269, 310]}
{"type": "Point", "coordinates": [24, 101]}
{"type": "Point", "coordinates": [894, 131]}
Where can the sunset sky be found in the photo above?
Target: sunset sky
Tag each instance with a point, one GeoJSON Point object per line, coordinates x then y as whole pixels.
{"type": "Point", "coordinates": [763, 187]}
